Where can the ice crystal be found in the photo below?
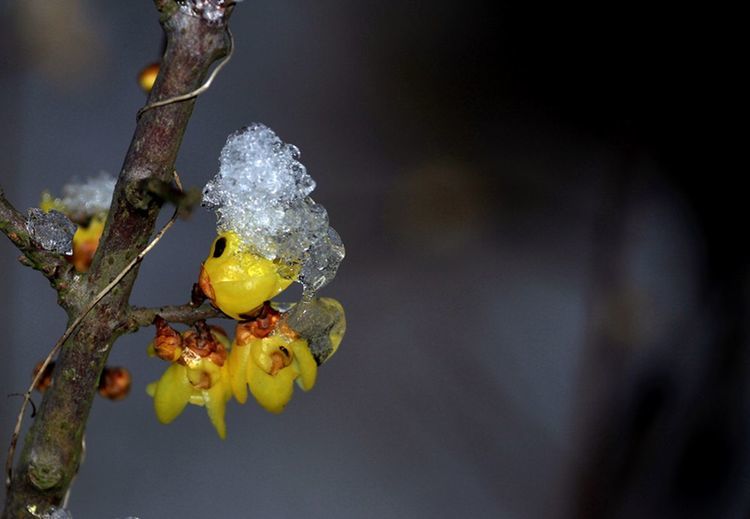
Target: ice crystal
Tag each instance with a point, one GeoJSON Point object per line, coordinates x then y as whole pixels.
{"type": "Point", "coordinates": [210, 10]}
{"type": "Point", "coordinates": [262, 193]}
{"type": "Point", "coordinates": [90, 197]}
{"type": "Point", "coordinates": [52, 230]}
{"type": "Point", "coordinates": [56, 513]}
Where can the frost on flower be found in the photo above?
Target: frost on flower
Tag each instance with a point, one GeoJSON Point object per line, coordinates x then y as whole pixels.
{"type": "Point", "coordinates": [82, 200]}
{"type": "Point", "coordinates": [261, 193]}
{"type": "Point", "coordinates": [52, 230]}
{"type": "Point", "coordinates": [86, 203]}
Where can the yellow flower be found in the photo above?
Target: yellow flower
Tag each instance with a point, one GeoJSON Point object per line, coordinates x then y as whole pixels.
{"type": "Point", "coordinates": [85, 242]}
{"type": "Point", "coordinates": [269, 366]}
{"type": "Point", "coordinates": [86, 237]}
{"type": "Point", "coordinates": [238, 281]}
{"type": "Point", "coordinates": [199, 376]}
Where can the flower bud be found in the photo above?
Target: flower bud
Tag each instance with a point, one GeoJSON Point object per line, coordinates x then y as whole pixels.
{"type": "Point", "coordinates": [45, 380]}
{"type": "Point", "coordinates": [114, 383]}
{"type": "Point", "coordinates": [168, 342]}
{"type": "Point", "coordinates": [147, 77]}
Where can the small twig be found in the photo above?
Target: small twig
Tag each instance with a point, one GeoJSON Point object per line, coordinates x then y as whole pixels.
{"type": "Point", "coordinates": [72, 328]}
{"type": "Point", "coordinates": [185, 314]}
{"type": "Point", "coordinates": [198, 91]}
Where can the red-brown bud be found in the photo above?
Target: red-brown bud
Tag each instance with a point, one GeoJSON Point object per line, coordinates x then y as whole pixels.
{"type": "Point", "coordinates": [115, 383]}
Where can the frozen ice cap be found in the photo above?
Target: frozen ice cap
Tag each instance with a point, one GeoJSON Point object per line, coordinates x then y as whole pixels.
{"type": "Point", "coordinates": [52, 230]}
{"type": "Point", "coordinates": [262, 193]}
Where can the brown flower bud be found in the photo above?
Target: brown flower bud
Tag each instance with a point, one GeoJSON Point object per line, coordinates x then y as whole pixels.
{"type": "Point", "coordinates": [263, 321]}
{"type": "Point", "coordinates": [45, 380]}
{"type": "Point", "coordinates": [168, 342]}
{"type": "Point", "coordinates": [114, 383]}
{"type": "Point", "coordinates": [202, 343]}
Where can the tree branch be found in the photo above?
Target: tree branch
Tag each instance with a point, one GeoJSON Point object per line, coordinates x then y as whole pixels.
{"type": "Point", "coordinates": [196, 38]}
{"type": "Point", "coordinates": [185, 314]}
{"type": "Point", "coordinates": [52, 265]}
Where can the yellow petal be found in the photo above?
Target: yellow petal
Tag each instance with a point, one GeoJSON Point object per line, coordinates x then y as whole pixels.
{"type": "Point", "coordinates": [261, 350]}
{"type": "Point", "coordinates": [272, 392]}
{"type": "Point", "coordinates": [240, 280]}
{"type": "Point", "coordinates": [305, 364]}
{"type": "Point", "coordinates": [216, 405]}
{"type": "Point", "coordinates": [92, 232]}
{"type": "Point", "coordinates": [197, 398]}
{"type": "Point", "coordinates": [237, 361]}
{"type": "Point", "coordinates": [172, 393]}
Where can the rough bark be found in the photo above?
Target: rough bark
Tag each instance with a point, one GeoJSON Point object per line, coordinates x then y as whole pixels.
{"type": "Point", "coordinates": [52, 448]}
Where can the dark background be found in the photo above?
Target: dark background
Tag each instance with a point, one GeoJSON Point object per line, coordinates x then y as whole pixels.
{"type": "Point", "coordinates": [545, 283]}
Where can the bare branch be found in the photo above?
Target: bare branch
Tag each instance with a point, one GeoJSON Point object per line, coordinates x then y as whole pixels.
{"type": "Point", "coordinates": [52, 448]}
{"type": "Point", "coordinates": [185, 314]}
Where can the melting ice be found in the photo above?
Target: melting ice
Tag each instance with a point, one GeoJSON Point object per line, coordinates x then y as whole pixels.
{"type": "Point", "coordinates": [262, 193]}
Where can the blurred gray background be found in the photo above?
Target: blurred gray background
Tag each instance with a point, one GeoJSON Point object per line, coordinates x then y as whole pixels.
{"type": "Point", "coordinates": [544, 316]}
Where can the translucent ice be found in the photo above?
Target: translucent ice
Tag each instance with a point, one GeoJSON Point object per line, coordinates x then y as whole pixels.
{"type": "Point", "coordinates": [323, 259]}
{"type": "Point", "coordinates": [322, 322]}
{"type": "Point", "coordinates": [210, 10]}
{"type": "Point", "coordinates": [52, 230]}
{"type": "Point", "coordinates": [262, 193]}
{"type": "Point", "coordinates": [56, 513]}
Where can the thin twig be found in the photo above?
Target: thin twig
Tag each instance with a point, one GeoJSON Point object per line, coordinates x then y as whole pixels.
{"type": "Point", "coordinates": [198, 91]}
{"type": "Point", "coordinates": [185, 314]}
{"type": "Point", "coordinates": [124, 272]}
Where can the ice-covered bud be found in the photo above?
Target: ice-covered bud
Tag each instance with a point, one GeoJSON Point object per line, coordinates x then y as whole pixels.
{"type": "Point", "coordinates": [261, 193]}
{"type": "Point", "coordinates": [52, 230]}
{"type": "Point", "coordinates": [322, 322]}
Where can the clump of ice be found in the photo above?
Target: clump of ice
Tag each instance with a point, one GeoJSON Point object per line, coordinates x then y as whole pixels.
{"type": "Point", "coordinates": [56, 513]}
{"type": "Point", "coordinates": [90, 197]}
{"type": "Point", "coordinates": [262, 193]}
{"type": "Point", "coordinates": [52, 230]}
{"type": "Point", "coordinates": [321, 321]}
{"type": "Point", "coordinates": [210, 10]}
